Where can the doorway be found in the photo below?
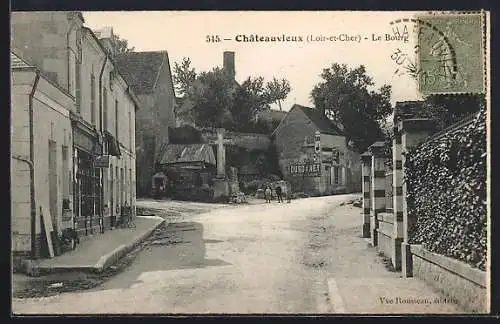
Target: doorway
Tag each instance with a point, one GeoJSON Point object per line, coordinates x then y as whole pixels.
{"type": "Point", "coordinates": [53, 184]}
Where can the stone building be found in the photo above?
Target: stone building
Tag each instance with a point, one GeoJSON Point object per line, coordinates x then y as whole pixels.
{"type": "Point", "coordinates": [41, 150]}
{"type": "Point", "coordinates": [100, 137]}
{"type": "Point", "coordinates": [149, 75]}
{"type": "Point", "coordinates": [311, 152]}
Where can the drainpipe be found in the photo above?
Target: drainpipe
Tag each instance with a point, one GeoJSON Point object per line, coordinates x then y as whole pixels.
{"type": "Point", "coordinates": [100, 91]}
{"type": "Point", "coordinates": [103, 145]}
{"type": "Point", "coordinates": [68, 47]}
{"type": "Point", "coordinates": [31, 166]}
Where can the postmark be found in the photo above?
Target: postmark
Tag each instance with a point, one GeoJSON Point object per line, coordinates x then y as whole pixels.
{"type": "Point", "coordinates": [447, 55]}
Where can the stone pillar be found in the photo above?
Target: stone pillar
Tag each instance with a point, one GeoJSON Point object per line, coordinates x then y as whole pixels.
{"type": "Point", "coordinates": [221, 156]}
{"type": "Point", "coordinates": [413, 132]}
{"type": "Point", "coordinates": [377, 194]}
{"type": "Point", "coordinates": [366, 162]}
{"type": "Point", "coordinates": [397, 196]}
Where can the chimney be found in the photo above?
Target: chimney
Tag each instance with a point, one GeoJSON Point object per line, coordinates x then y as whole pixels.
{"type": "Point", "coordinates": [105, 35]}
{"type": "Point", "coordinates": [229, 63]}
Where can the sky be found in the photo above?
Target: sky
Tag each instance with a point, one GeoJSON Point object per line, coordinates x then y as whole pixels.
{"type": "Point", "coordinates": [184, 34]}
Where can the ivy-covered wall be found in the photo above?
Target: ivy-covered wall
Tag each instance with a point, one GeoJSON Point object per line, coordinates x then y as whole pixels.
{"type": "Point", "coordinates": [446, 179]}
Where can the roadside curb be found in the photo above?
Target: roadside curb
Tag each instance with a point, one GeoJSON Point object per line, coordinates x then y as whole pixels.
{"type": "Point", "coordinates": [33, 268]}
{"type": "Point", "coordinates": [109, 259]}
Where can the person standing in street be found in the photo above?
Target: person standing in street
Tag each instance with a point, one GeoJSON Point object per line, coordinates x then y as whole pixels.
{"type": "Point", "coordinates": [279, 194]}
{"type": "Point", "coordinates": [267, 194]}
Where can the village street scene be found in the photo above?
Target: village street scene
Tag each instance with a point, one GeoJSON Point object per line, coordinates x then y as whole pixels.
{"type": "Point", "coordinates": [261, 170]}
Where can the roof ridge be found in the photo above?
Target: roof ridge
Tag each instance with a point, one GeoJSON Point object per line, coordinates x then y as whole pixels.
{"type": "Point", "coordinates": [158, 72]}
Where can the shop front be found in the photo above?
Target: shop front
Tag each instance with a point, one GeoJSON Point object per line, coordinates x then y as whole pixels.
{"type": "Point", "coordinates": [88, 180]}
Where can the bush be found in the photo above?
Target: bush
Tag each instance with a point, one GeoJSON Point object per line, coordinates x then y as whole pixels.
{"type": "Point", "coordinates": [446, 181]}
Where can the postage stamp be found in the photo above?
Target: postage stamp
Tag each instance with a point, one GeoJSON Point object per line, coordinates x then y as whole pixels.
{"type": "Point", "coordinates": [249, 162]}
{"type": "Point", "coordinates": [451, 53]}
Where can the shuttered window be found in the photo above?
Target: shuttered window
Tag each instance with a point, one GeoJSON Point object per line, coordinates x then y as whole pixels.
{"type": "Point", "coordinates": [78, 94]}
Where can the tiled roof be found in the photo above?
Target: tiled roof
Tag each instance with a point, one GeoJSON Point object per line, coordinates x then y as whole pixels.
{"type": "Point", "coordinates": [322, 123]}
{"type": "Point", "coordinates": [17, 62]}
{"type": "Point", "coordinates": [141, 69]}
{"type": "Point", "coordinates": [178, 153]}
{"type": "Point", "coordinates": [408, 109]}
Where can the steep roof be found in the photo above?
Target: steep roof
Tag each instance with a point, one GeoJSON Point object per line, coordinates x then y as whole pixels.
{"type": "Point", "coordinates": [182, 153]}
{"type": "Point", "coordinates": [322, 123]}
{"type": "Point", "coordinates": [141, 69]}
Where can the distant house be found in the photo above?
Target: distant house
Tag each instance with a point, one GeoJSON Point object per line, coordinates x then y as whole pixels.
{"type": "Point", "coordinates": [188, 165]}
{"type": "Point", "coordinates": [149, 75]}
{"type": "Point", "coordinates": [312, 152]}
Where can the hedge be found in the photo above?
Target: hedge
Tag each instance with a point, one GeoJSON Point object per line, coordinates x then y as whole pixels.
{"type": "Point", "coordinates": [446, 181]}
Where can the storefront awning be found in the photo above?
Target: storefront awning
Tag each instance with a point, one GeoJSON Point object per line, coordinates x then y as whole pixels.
{"type": "Point", "coordinates": [113, 145]}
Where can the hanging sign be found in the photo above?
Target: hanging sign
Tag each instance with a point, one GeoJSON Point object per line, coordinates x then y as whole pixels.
{"type": "Point", "coordinates": [102, 161]}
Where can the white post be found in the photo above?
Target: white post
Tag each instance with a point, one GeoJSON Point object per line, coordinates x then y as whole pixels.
{"type": "Point", "coordinates": [221, 156]}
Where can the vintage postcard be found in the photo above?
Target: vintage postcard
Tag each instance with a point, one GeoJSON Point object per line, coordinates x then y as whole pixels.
{"type": "Point", "coordinates": [250, 162]}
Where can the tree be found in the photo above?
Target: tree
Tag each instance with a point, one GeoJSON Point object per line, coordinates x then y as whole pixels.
{"type": "Point", "coordinates": [212, 96]}
{"type": "Point", "coordinates": [184, 76]}
{"type": "Point", "coordinates": [347, 96]}
{"type": "Point", "coordinates": [248, 100]}
{"type": "Point", "coordinates": [121, 45]}
{"type": "Point", "coordinates": [452, 108]}
{"type": "Point", "coordinates": [277, 90]}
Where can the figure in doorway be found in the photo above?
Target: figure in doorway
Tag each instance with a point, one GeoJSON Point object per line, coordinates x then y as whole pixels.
{"type": "Point", "coordinates": [267, 194]}
{"type": "Point", "coordinates": [279, 194]}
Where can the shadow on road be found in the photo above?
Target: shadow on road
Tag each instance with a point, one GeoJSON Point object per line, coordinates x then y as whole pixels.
{"type": "Point", "coordinates": [176, 246]}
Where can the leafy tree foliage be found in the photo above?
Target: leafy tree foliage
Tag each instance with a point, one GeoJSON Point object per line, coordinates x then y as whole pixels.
{"type": "Point", "coordinates": [212, 95]}
{"type": "Point", "coordinates": [347, 96]}
{"type": "Point", "coordinates": [184, 76]}
{"type": "Point", "coordinates": [218, 101]}
{"type": "Point", "coordinates": [121, 45]}
{"type": "Point", "coordinates": [277, 90]}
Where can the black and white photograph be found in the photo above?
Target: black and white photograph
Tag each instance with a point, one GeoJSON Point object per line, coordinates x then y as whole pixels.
{"type": "Point", "coordinates": [250, 162]}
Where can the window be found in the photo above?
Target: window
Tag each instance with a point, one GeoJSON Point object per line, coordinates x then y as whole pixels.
{"type": "Point", "coordinates": [336, 174]}
{"type": "Point", "coordinates": [78, 95]}
{"type": "Point", "coordinates": [105, 107]}
{"type": "Point", "coordinates": [65, 172]}
{"type": "Point", "coordinates": [122, 186]}
{"type": "Point", "coordinates": [92, 99]}
{"type": "Point", "coordinates": [130, 130]}
{"type": "Point", "coordinates": [116, 120]}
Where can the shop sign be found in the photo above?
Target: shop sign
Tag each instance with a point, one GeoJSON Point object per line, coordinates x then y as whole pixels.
{"type": "Point", "coordinates": [102, 161]}
{"type": "Point", "coordinates": [305, 169]}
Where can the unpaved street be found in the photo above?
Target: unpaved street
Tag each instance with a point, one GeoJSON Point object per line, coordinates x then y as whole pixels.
{"type": "Point", "coordinates": [302, 257]}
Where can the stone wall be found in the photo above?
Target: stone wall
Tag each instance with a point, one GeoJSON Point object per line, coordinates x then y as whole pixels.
{"type": "Point", "coordinates": [252, 143]}
{"type": "Point", "coordinates": [455, 279]}
{"type": "Point", "coordinates": [397, 219]}
{"type": "Point", "coordinates": [249, 141]}
{"type": "Point", "coordinates": [385, 233]}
